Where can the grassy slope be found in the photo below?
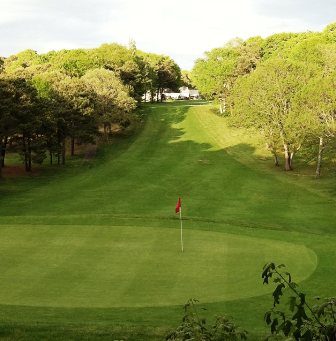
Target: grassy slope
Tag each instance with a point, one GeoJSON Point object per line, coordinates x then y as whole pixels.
{"type": "Point", "coordinates": [225, 186]}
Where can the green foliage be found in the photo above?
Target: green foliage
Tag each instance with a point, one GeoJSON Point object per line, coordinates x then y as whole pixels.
{"type": "Point", "coordinates": [2, 62]}
{"type": "Point", "coordinates": [214, 75]}
{"type": "Point", "coordinates": [111, 99]}
{"type": "Point", "coordinates": [73, 63]}
{"type": "Point", "coordinates": [302, 322]}
{"type": "Point", "coordinates": [21, 115]}
{"type": "Point", "coordinates": [330, 32]}
{"type": "Point", "coordinates": [21, 61]}
{"type": "Point", "coordinates": [273, 45]}
{"type": "Point", "coordinates": [125, 63]}
{"type": "Point", "coordinates": [159, 72]}
{"type": "Point", "coordinates": [317, 101]}
{"type": "Point", "coordinates": [258, 82]}
{"type": "Point", "coordinates": [186, 79]}
{"type": "Point", "coordinates": [111, 95]}
{"type": "Point", "coordinates": [307, 48]}
{"type": "Point", "coordinates": [250, 53]}
{"type": "Point", "coordinates": [263, 100]}
{"type": "Point", "coordinates": [75, 93]}
{"type": "Point", "coordinates": [194, 327]}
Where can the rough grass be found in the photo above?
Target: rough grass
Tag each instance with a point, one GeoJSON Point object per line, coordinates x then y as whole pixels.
{"type": "Point", "coordinates": [93, 251]}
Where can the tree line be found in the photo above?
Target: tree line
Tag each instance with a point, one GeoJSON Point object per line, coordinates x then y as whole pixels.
{"type": "Point", "coordinates": [48, 102]}
{"type": "Point", "coordinates": [284, 86]}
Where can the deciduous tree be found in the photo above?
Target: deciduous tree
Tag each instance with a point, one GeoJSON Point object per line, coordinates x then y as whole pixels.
{"type": "Point", "coordinates": [263, 100]}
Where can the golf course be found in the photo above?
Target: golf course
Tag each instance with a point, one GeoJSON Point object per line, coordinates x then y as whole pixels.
{"type": "Point", "coordinates": [92, 250]}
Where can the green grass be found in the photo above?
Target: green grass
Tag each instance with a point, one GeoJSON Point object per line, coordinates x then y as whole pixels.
{"type": "Point", "coordinates": [93, 250]}
{"type": "Point", "coordinates": [99, 266]}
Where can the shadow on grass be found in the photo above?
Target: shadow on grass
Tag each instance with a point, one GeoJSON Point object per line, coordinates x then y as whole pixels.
{"type": "Point", "coordinates": [142, 175]}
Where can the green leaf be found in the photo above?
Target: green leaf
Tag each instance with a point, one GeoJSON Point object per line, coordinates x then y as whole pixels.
{"type": "Point", "coordinates": [292, 303]}
{"type": "Point", "coordinates": [293, 285]}
{"type": "Point", "coordinates": [277, 293]}
{"type": "Point", "coordinates": [274, 325]}
{"type": "Point", "coordinates": [289, 277]}
{"type": "Point", "coordinates": [267, 317]}
{"type": "Point", "coordinates": [300, 316]}
{"type": "Point", "coordinates": [302, 298]}
{"type": "Point", "coordinates": [287, 327]}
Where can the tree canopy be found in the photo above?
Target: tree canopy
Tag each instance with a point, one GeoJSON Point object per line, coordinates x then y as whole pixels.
{"type": "Point", "coordinates": [47, 100]}
{"type": "Point", "coordinates": [281, 86]}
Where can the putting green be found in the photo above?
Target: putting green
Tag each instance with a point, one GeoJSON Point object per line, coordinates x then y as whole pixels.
{"type": "Point", "coordinates": [100, 266]}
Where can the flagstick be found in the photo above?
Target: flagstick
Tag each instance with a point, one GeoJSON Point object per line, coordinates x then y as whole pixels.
{"type": "Point", "coordinates": [181, 229]}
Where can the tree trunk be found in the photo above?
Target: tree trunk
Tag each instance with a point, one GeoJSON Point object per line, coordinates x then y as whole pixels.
{"type": "Point", "coordinates": [1, 156]}
{"type": "Point", "coordinates": [288, 161]}
{"type": "Point", "coordinates": [63, 152]}
{"type": "Point", "coordinates": [276, 159]}
{"type": "Point", "coordinates": [274, 153]}
{"type": "Point", "coordinates": [59, 146]}
{"type": "Point", "coordinates": [51, 157]}
{"type": "Point", "coordinates": [3, 151]}
{"type": "Point", "coordinates": [161, 97]}
{"type": "Point", "coordinates": [291, 158]}
{"type": "Point", "coordinates": [157, 94]}
{"type": "Point", "coordinates": [107, 130]}
{"type": "Point", "coordinates": [29, 155]}
{"type": "Point", "coordinates": [72, 146]}
{"type": "Point", "coordinates": [319, 158]}
{"type": "Point", "coordinates": [222, 106]}
{"type": "Point", "coordinates": [25, 153]}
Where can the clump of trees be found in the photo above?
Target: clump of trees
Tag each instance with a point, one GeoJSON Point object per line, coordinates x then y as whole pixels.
{"type": "Point", "coordinates": [283, 86]}
{"type": "Point", "coordinates": [50, 101]}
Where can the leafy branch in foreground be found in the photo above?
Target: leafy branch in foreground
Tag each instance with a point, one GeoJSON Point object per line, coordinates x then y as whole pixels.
{"type": "Point", "coordinates": [305, 322]}
{"type": "Point", "coordinates": [194, 327]}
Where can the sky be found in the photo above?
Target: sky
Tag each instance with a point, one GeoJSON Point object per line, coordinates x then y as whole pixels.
{"type": "Point", "coordinates": [181, 29]}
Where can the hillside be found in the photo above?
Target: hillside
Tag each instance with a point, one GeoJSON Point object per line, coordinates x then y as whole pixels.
{"type": "Point", "coordinates": [94, 249]}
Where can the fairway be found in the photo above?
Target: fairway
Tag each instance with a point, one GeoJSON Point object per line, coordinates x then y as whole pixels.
{"type": "Point", "coordinates": [98, 243]}
{"type": "Point", "coordinates": [135, 267]}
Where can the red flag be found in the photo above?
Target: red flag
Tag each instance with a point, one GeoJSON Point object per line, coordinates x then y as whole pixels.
{"type": "Point", "coordinates": [178, 206]}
